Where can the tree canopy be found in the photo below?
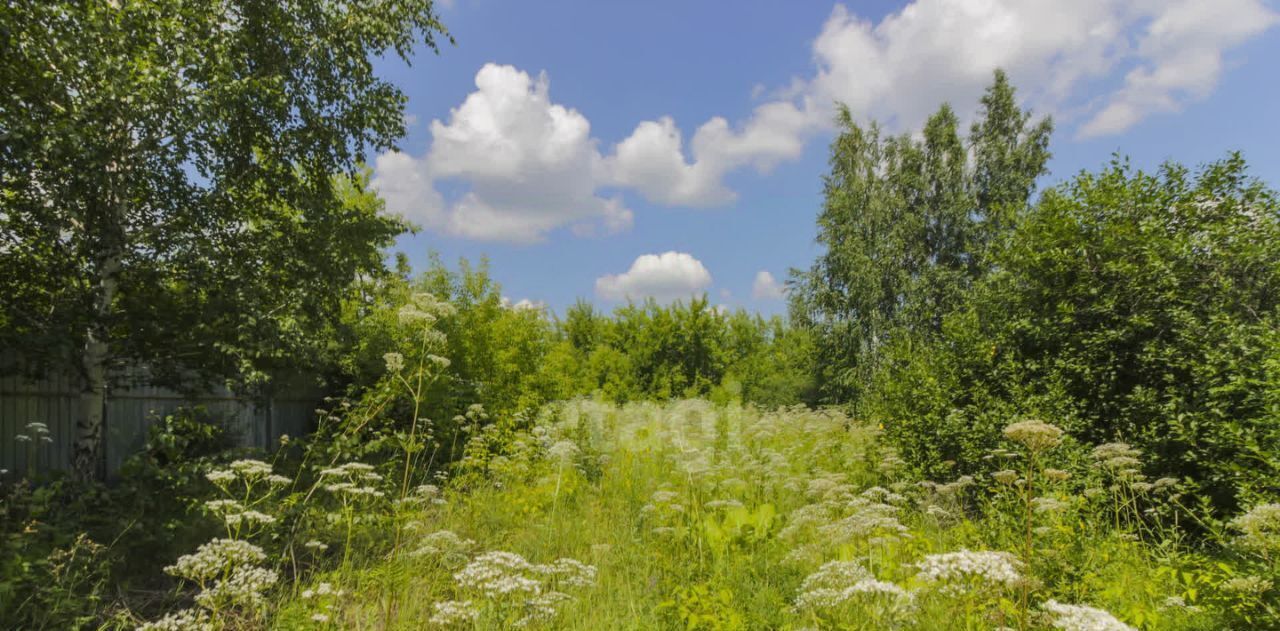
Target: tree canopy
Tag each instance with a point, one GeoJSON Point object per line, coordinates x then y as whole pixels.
{"type": "Point", "coordinates": [180, 182]}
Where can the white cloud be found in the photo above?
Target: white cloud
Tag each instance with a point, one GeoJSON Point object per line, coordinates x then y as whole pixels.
{"type": "Point", "coordinates": [664, 277]}
{"type": "Point", "coordinates": [530, 166]}
{"type": "Point", "coordinates": [1181, 58]}
{"type": "Point", "coordinates": [945, 50]}
{"type": "Point", "coordinates": [766, 287]}
{"type": "Point", "coordinates": [524, 304]}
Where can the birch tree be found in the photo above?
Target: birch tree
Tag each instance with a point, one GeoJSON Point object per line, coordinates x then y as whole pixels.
{"type": "Point", "coordinates": [180, 179]}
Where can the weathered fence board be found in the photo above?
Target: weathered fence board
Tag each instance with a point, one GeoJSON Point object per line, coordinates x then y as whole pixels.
{"type": "Point", "coordinates": [130, 410]}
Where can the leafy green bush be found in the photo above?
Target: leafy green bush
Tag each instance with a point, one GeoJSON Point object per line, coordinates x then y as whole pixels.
{"type": "Point", "coordinates": [1126, 306]}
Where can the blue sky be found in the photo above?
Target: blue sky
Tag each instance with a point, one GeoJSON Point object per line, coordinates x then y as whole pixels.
{"type": "Point", "coordinates": [574, 143]}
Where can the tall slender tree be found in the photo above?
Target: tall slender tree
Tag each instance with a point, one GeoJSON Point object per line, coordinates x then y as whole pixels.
{"type": "Point", "coordinates": [179, 179]}
{"type": "Point", "coordinates": [906, 225]}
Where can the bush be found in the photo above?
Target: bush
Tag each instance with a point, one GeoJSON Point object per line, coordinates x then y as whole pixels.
{"type": "Point", "coordinates": [1126, 306]}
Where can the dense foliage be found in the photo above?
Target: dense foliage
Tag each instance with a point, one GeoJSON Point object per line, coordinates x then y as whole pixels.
{"type": "Point", "coordinates": [1123, 305]}
{"type": "Point", "coordinates": [908, 224]}
{"type": "Point", "coordinates": [180, 181]}
{"type": "Point", "coordinates": [181, 186]}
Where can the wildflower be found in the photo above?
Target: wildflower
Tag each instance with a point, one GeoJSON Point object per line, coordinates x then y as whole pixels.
{"type": "Point", "coordinates": [451, 612]}
{"type": "Point", "coordinates": [23, 438]}
{"type": "Point", "coordinates": [1083, 618]}
{"type": "Point", "coordinates": [1048, 504]}
{"type": "Point", "coordinates": [830, 598]}
{"type": "Point", "coordinates": [316, 545]}
{"type": "Point", "coordinates": [994, 567]}
{"type": "Point", "coordinates": [1119, 458]}
{"type": "Point", "coordinates": [278, 480]}
{"type": "Point", "coordinates": [867, 519]}
{"type": "Point", "coordinates": [722, 503]}
{"type": "Point", "coordinates": [1034, 435]}
{"type": "Point", "coordinates": [444, 544]}
{"type": "Point", "coordinates": [185, 620]}
{"type": "Point", "coordinates": [563, 451]}
{"type": "Point", "coordinates": [212, 558]}
{"type": "Point", "coordinates": [938, 512]}
{"type": "Point", "coordinates": [249, 516]}
{"type": "Point", "coordinates": [1005, 476]}
{"type": "Point", "coordinates": [1056, 475]}
{"type": "Point", "coordinates": [1259, 528]}
{"type": "Point", "coordinates": [835, 574]}
{"type": "Point", "coordinates": [244, 586]}
{"type": "Point", "coordinates": [222, 506]}
{"type": "Point", "coordinates": [541, 608]}
{"type": "Point", "coordinates": [320, 617]}
{"type": "Point", "coordinates": [394, 361]}
{"type": "Point", "coordinates": [220, 476]}
{"type": "Point", "coordinates": [251, 468]}
{"type": "Point", "coordinates": [569, 572]}
{"type": "Point", "coordinates": [1250, 585]}
{"type": "Point", "coordinates": [497, 574]}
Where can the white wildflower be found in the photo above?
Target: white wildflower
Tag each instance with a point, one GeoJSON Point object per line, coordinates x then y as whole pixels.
{"type": "Point", "coordinates": [1259, 528]}
{"type": "Point", "coordinates": [249, 468]}
{"type": "Point", "coordinates": [986, 566]}
{"type": "Point", "coordinates": [1033, 434]}
{"type": "Point", "coordinates": [251, 517]}
{"type": "Point", "coordinates": [1083, 618]}
{"type": "Point", "coordinates": [214, 558]}
{"type": "Point", "coordinates": [394, 361]}
{"type": "Point", "coordinates": [451, 612]}
{"type": "Point", "coordinates": [185, 620]}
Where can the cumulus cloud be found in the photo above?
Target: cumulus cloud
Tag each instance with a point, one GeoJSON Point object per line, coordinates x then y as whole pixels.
{"type": "Point", "coordinates": [524, 304]}
{"type": "Point", "coordinates": [1059, 53]}
{"type": "Point", "coordinates": [664, 277]}
{"type": "Point", "coordinates": [530, 166]}
{"type": "Point", "coordinates": [1181, 57]}
{"type": "Point", "coordinates": [766, 287]}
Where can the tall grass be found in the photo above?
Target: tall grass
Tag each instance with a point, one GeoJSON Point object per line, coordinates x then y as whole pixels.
{"type": "Point", "coordinates": [690, 515]}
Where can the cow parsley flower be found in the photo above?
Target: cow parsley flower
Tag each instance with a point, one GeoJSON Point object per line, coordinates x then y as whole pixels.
{"type": "Point", "coordinates": [452, 612]}
{"type": "Point", "coordinates": [1083, 618]}
{"type": "Point", "coordinates": [444, 544]}
{"type": "Point", "coordinates": [1259, 528]}
{"type": "Point", "coordinates": [996, 568]}
{"type": "Point", "coordinates": [250, 469]}
{"type": "Point", "coordinates": [394, 361]}
{"type": "Point", "coordinates": [1033, 434]}
{"type": "Point", "coordinates": [251, 517]}
{"type": "Point", "coordinates": [184, 620]}
{"type": "Point", "coordinates": [245, 587]}
{"type": "Point", "coordinates": [214, 558]}
{"type": "Point", "coordinates": [563, 451]}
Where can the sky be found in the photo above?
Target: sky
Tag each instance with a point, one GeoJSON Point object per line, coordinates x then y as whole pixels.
{"type": "Point", "coordinates": [612, 151]}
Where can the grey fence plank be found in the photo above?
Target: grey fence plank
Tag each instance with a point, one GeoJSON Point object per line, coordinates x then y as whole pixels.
{"type": "Point", "coordinates": [130, 411]}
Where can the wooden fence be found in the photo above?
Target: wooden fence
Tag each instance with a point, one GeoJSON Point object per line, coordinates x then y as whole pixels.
{"type": "Point", "coordinates": [55, 401]}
